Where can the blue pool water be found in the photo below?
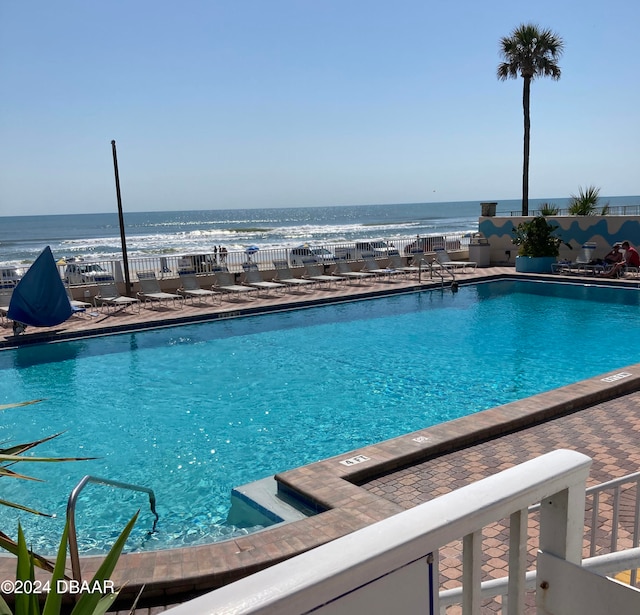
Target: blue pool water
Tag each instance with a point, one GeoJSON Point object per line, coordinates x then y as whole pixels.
{"type": "Point", "coordinates": [193, 411]}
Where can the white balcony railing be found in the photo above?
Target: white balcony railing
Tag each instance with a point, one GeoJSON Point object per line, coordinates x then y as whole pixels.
{"type": "Point", "coordinates": [168, 266]}
{"type": "Point", "coordinates": [392, 566]}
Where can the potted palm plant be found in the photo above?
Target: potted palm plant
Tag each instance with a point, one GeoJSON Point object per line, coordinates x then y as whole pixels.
{"type": "Point", "coordinates": [538, 245]}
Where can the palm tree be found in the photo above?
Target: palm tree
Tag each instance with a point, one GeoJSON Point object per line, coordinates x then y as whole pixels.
{"type": "Point", "coordinates": [529, 52]}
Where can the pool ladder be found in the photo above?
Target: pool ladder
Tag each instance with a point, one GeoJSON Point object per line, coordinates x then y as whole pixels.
{"type": "Point", "coordinates": [439, 272]}
{"type": "Point", "coordinates": [71, 514]}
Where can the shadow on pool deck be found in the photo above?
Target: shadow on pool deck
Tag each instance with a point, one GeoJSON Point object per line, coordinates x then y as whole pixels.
{"type": "Point", "coordinates": [385, 478]}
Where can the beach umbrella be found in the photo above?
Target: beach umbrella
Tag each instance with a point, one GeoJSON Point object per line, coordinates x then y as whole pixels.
{"type": "Point", "coordinates": [250, 251]}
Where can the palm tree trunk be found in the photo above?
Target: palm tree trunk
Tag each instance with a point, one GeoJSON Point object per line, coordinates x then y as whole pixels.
{"type": "Point", "coordinates": [526, 95]}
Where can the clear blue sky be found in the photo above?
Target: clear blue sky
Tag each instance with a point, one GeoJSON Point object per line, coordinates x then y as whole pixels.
{"type": "Point", "coordinates": [269, 103]}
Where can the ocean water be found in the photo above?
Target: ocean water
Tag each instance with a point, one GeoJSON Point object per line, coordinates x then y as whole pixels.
{"type": "Point", "coordinates": [97, 236]}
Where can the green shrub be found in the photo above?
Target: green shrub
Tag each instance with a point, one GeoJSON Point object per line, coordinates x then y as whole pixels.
{"type": "Point", "coordinates": [536, 237]}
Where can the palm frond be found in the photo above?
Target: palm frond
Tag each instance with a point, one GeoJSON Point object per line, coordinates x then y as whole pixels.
{"type": "Point", "coordinates": [19, 458]}
{"type": "Point", "coordinates": [21, 507]}
{"type": "Point", "coordinates": [13, 454]}
{"type": "Point", "coordinates": [12, 546]}
{"type": "Point", "coordinates": [12, 474]}
{"type": "Point", "coordinates": [530, 52]}
{"type": "Point", "coordinates": [21, 448]}
{"type": "Point", "coordinates": [25, 602]}
{"type": "Point", "coordinates": [88, 602]}
{"type": "Point", "coordinates": [585, 202]}
{"type": "Point", "coordinates": [19, 404]}
{"type": "Point", "coordinates": [53, 604]}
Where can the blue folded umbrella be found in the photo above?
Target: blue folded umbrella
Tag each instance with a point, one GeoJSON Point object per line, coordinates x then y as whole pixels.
{"type": "Point", "coordinates": [40, 299]}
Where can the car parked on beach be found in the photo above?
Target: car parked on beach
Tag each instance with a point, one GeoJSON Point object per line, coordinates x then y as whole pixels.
{"type": "Point", "coordinates": [379, 249]}
{"type": "Point", "coordinates": [301, 253]}
{"type": "Point", "coordinates": [430, 243]}
{"type": "Point", "coordinates": [200, 263]}
{"type": "Point", "coordinates": [86, 273]}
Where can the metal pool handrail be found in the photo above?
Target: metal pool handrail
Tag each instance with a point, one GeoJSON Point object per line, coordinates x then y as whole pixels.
{"type": "Point", "coordinates": [71, 514]}
{"type": "Point", "coordinates": [439, 271]}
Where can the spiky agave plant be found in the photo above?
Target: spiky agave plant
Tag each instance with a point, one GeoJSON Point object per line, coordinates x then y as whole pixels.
{"type": "Point", "coordinates": [91, 603]}
{"type": "Point", "coordinates": [9, 456]}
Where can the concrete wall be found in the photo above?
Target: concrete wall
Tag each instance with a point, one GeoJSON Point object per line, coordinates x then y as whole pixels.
{"type": "Point", "coordinates": [575, 230]}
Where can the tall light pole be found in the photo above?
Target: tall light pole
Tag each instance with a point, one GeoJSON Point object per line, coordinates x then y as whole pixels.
{"type": "Point", "coordinates": [123, 241]}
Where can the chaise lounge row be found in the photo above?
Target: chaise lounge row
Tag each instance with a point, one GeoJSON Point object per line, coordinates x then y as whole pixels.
{"type": "Point", "coordinates": [252, 281]}
{"type": "Point", "coordinates": [250, 285]}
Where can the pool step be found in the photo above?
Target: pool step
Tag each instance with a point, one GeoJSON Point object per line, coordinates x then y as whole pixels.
{"type": "Point", "coordinates": [259, 503]}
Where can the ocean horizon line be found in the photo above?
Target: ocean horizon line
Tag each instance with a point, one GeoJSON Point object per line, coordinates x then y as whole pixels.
{"type": "Point", "coordinates": [270, 207]}
{"type": "Point", "coordinates": [294, 207]}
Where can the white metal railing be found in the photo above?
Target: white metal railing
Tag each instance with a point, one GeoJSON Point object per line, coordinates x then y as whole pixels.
{"type": "Point", "coordinates": [393, 565]}
{"type": "Point", "coordinates": [607, 564]}
{"type": "Point", "coordinates": [168, 266]}
{"type": "Point", "coordinates": [616, 210]}
{"type": "Point", "coordinates": [614, 490]}
{"type": "Point", "coordinates": [607, 494]}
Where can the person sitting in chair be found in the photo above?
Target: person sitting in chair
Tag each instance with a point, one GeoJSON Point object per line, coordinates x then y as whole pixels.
{"type": "Point", "coordinates": [630, 258]}
{"type": "Point", "coordinates": [615, 256]}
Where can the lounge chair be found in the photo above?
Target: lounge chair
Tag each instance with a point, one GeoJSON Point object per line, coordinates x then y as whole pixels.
{"type": "Point", "coordinates": [395, 261]}
{"type": "Point", "coordinates": [253, 278]}
{"type": "Point", "coordinates": [191, 289]}
{"type": "Point", "coordinates": [225, 283]}
{"type": "Point", "coordinates": [108, 295]}
{"type": "Point", "coordinates": [444, 260]}
{"type": "Point", "coordinates": [284, 275]}
{"type": "Point", "coordinates": [343, 270]}
{"type": "Point", "coordinates": [314, 271]}
{"type": "Point", "coordinates": [582, 264]}
{"type": "Point", "coordinates": [371, 266]}
{"type": "Point", "coordinates": [5, 300]}
{"type": "Point", "coordinates": [78, 307]}
{"type": "Point", "coordinates": [151, 292]}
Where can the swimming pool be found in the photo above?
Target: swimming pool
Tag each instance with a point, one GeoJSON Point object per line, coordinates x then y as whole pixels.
{"type": "Point", "coordinates": [193, 411]}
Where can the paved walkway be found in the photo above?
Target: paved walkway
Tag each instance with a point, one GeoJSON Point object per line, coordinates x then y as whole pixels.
{"type": "Point", "coordinates": [608, 432]}
{"type": "Point", "coordinates": [598, 417]}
